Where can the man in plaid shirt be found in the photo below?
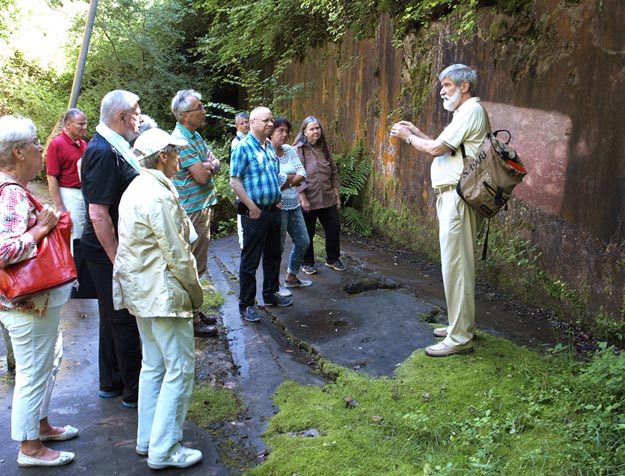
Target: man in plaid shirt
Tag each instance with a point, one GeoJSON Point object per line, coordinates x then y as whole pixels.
{"type": "Point", "coordinates": [255, 179]}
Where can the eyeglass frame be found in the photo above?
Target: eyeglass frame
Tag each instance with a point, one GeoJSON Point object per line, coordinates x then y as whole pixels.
{"type": "Point", "coordinates": [201, 107]}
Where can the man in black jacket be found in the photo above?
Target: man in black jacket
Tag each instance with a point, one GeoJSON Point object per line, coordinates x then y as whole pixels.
{"type": "Point", "coordinates": [108, 166]}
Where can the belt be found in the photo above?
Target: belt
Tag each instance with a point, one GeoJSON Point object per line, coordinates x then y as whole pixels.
{"type": "Point", "coordinates": [265, 208]}
{"type": "Point", "coordinates": [446, 188]}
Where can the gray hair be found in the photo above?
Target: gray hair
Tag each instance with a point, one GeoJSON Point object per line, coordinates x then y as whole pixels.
{"type": "Point", "coordinates": [14, 131]}
{"type": "Point", "coordinates": [71, 114]}
{"type": "Point", "coordinates": [241, 115]}
{"type": "Point", "coordinates": [182, 102]}
{"type": "Point", "coordinates": [459, 73]}
{"type": "Point", "coordinates": [148, 123]}
{"type": "Point", "coordinates": [115, 102]}
{"type": "Point", "coordinates": [151, 161]}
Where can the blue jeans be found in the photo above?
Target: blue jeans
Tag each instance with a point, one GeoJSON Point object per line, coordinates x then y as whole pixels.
{"type": "Point", "coordinates": [261, 238]}
{"type": "Point", "coordinates": [293, 222]}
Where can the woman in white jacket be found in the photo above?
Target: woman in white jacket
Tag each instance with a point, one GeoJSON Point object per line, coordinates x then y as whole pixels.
{"type": "Point", "coordinates": [155, 278]}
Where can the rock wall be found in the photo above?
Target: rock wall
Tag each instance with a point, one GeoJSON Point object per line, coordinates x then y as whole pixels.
{"type": "Point", "coordinates": [554, 77]}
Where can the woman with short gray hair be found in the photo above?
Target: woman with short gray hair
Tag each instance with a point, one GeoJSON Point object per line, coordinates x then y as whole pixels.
{"type": "Point", "coordinates": [33, 323]}
{"type": "Point", "coordinates": [155, 278]}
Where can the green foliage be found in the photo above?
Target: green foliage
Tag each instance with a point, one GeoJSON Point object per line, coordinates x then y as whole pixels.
{"type": "Point", "coordinates": [340, 16]}
{"type": "Point", "coordinates": [608, 326]}
{"type": "Point", "coordinates": [354, 169]}
{"type": "Point", "coordinates": [357, 221]}
{"type": "Point", "coordinates": [29, 90]}
{"type": "Point", "coordinates": [470, 415]}
{"type": "Point", "coordinates": [417, 14]}
{"type": "Point", "coordinates": [405, 229]}
{"type": "Point", "coordinates": [136, 45]}
{"type": "Point", "coordinates": [9, 17]}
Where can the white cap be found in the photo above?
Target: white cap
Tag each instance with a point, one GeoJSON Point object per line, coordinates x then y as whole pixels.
{"type": "Point", "coordinates": [154, 140]}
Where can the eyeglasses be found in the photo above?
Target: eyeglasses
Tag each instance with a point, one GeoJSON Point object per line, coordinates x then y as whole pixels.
{"type": "Point", "coordinates": [282, 130]}
{"type": "Point", "coordinates": [199, 108]}
{"type": "Point", "coordinates": [34, 141]}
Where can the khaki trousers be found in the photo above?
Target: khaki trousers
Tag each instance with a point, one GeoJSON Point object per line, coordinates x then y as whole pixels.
{"type": "Point", "coordinates": [458, 224]}
{"type": "Point", "coordinates": [202, 222]}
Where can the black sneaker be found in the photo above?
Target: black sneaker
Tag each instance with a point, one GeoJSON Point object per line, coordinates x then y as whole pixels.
{"type": "Point", "coordinates": [250, 314]}
{"type": "Point", "coordinates": [277, 300]}
{"type": "Point", "coordinates": [337, 265]}
{"type": "Point", "coordinates": [309, 269]}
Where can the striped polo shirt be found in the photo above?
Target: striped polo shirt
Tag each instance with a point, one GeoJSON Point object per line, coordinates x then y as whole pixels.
{"type": "Point", "coordinates": [193, 195]}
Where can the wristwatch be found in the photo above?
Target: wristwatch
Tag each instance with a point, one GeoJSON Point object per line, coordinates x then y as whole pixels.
{"type": "Point", "coordinates": [409, 139]}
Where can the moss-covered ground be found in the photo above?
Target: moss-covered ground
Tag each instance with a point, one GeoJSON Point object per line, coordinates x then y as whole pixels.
{"type": "Point", "coordinates": [503, 410]}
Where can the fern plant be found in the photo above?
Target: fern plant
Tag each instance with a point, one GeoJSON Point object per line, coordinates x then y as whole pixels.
{"type": "Point", "coordinates": [354, 169]}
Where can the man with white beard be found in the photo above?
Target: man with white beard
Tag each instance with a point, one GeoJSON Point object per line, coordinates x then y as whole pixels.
{"type": "Point", "coordinates": [458, 222]}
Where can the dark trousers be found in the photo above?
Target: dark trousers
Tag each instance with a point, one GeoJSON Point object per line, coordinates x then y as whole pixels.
{"type": "Point", "coordinates": [331, 223]}
{"type": "Point", "coordinates": [119, 354]}
{"type": "Point", "coordinates": [261, 238]}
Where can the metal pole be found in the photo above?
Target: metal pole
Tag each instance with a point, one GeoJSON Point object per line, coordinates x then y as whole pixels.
{"type": "Point", "coordinates": [82, 59]}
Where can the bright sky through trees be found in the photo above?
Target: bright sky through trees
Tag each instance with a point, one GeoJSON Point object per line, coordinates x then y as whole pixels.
{"type": "Point", "coordinates": [41, 32]}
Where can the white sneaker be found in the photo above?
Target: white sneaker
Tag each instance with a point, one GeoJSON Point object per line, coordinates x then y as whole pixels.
{"type": "Point", "coordinates": [182, 457]}
{"type": "Point", "coordinates": [284, 292]}
{"type": "Point", "coordinates": [298, 283]}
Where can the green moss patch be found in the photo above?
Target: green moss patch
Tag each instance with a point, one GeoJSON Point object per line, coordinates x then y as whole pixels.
{"type": "Point", "coordinates": [503, 410]}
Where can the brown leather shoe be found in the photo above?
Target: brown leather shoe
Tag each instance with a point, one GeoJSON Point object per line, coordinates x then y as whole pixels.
{"type": "Point", "coordinates": [208, 320]}
{"type": "Point", "coordinates": [202, 330]}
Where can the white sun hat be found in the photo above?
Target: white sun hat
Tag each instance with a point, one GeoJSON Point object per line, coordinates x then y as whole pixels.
{"type": "Point", "coordinates": [154, 140]}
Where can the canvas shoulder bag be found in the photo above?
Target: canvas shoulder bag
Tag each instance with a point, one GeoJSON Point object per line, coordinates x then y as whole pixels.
{"type": "Point", "coordinates": [486, 182]}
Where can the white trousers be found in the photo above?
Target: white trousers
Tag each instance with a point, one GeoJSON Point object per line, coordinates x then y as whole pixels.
{"type": "Point", "coordinates": [458, 225]}
{"type": "Point", "coordinates": [165, 383]}
{"type": "Point", "coordinates": [75, 205]}
{"type": "Point", "coordinates": [38, 348]}
{"type": "Point", "coordinates": [8, 345]}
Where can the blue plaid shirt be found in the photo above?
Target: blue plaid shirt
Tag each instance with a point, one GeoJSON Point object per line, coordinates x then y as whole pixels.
{"type": "Point", "coordinates": [258, 170]}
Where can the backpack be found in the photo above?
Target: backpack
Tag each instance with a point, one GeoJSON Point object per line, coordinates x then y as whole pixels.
{"type": "Point", "coordinates": [486, 183]}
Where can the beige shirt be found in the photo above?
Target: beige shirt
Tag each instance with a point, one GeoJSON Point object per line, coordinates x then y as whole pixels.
{"type": "Point", "coordinates": [469, 126]}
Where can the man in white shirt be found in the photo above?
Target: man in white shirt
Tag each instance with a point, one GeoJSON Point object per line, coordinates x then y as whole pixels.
{"type": "Point", "coordinates": [242, 125]}
{"type": "Point", "coordinates": [458, 222]}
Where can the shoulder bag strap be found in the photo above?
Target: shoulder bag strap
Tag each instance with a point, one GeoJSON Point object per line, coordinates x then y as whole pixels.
{"type": "Point", "coordinates": [488, 133]}
{"type": "Point", "coordinates": [33, 200]}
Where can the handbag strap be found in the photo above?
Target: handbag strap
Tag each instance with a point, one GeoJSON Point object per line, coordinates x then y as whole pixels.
{"type": "Point", "coordinates": [31, 197]}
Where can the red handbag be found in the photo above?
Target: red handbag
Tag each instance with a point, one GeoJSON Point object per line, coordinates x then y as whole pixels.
{"type": "Point", "coordinates": [51, 267]}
